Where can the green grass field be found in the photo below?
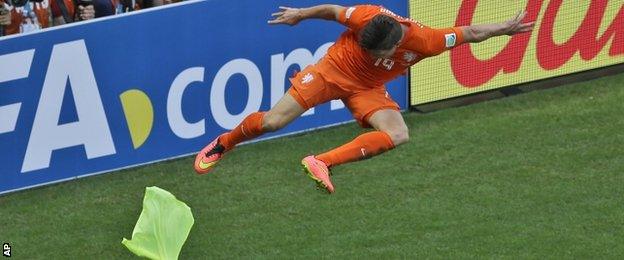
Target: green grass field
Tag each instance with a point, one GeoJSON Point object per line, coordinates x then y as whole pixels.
{"type": "Point", "coordinates": [539, 175]}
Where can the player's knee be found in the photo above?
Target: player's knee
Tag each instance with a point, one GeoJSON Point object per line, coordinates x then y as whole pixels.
{"type": "Point", "coordinates": [399, 136]}
{"type": "Point", "coordinates": [272, 123]}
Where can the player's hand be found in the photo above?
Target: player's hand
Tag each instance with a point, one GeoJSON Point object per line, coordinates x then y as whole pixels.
{"type": "Point", "coordinates": [286, 15]}
{"type": "Point", "coordinates": [5, 16]}
{"type": "Point", "coordinates": [515, 25]}
{"type": "Point", "coordinates": [86, 12]}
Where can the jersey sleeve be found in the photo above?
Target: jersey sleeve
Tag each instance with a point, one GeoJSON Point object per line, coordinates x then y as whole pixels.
{"type": "Point", "coordinates": [431, 42]}
{"type": "Point", "coordinates": [356, 17]}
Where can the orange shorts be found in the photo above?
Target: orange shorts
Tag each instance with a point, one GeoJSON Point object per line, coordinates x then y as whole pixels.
{"type": "Point", "coordinates": [318, 84]}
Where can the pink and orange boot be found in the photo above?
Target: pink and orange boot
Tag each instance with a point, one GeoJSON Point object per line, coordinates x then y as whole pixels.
{"type": "Point", "coordinates": [208, 157]}
{"type": "Point", "coordinates": [319, 172]}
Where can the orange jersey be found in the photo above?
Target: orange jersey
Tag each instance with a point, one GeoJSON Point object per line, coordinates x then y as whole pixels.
{"type": "Point", "coordinates": [419, 42]}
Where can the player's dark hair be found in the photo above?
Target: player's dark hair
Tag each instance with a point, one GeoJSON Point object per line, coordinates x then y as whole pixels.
{"type": "Point", "coordinates": [381, 33]}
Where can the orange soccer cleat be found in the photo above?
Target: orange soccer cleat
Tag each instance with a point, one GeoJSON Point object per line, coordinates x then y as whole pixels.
{"type": "Point", "coordinates": [208, 157]}
{"type": "Point", "coordinates": [318, 171]}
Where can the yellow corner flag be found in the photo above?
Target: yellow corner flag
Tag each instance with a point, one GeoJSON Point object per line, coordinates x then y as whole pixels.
{"type": "Point", "coordinates": [163, 226]}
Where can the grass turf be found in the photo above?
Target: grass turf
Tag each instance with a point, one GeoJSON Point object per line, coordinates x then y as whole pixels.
{"type": "Point", "coordinates": [531, 176]}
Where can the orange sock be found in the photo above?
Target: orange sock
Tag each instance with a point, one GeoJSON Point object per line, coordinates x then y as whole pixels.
{"type": "Point", "coordinates": [250, 128]}
{"type": "Point", "coordinates": [362, 147]}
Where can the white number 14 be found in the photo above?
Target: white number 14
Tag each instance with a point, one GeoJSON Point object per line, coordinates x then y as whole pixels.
{"type": "Point", "coordinates": [387, 63]}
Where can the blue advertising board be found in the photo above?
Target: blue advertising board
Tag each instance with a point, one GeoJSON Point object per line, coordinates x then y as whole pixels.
{"type": "Point", "coordinates": [89, 98]}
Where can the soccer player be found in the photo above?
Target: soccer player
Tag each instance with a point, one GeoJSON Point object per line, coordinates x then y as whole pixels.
{"type": "Point", "coordinates": [377, 46]}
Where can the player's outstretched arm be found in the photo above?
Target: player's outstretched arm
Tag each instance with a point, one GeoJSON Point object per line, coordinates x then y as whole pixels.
{"type": "Point", "coordinates": [482, 32]}
{"type": "Point", "coordinates": [292, 16]}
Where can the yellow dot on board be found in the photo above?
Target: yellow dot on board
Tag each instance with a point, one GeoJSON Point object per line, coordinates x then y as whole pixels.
{"type": "Point", "coordinates": [139, 115]}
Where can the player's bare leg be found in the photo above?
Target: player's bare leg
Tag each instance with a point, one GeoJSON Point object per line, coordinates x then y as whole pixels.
{"type": "Point", "coordinates": [390, 122]}
{"type": "Point", "coordinates": [285, 111]}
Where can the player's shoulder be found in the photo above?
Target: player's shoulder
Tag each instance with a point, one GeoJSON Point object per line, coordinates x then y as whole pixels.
{"type": "Point", "coordinates": [363, 10]}
{"type": "Point", "coordinates": [402, 19]}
